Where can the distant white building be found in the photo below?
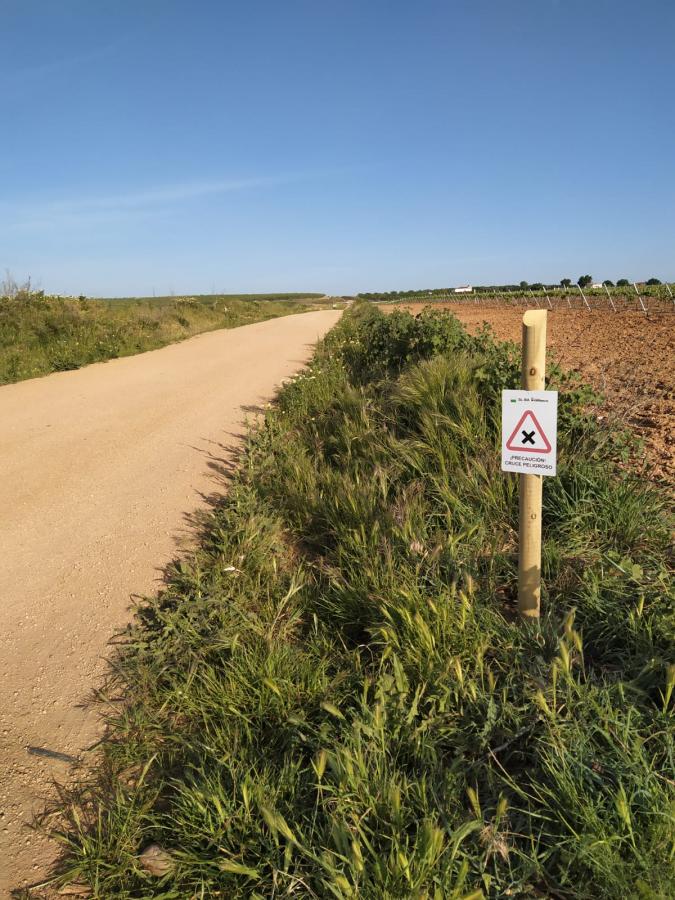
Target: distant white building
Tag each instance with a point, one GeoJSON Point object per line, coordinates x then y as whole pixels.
{"type": "Point", "coordinates": [597, 286]}
{"type": "Point", "coordinates": [463, 289]}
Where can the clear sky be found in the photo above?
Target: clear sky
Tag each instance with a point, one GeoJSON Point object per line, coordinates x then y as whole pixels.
{"type": "Point", "coordinates": [334, 145]}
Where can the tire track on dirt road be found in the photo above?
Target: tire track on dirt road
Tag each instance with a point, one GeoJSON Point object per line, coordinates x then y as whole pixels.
{"type": "Point", "coordinates": [101, 469]}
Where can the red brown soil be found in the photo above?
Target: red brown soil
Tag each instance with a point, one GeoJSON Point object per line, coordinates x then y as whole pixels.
{"type": "Point", "coordinates": [626, 356]}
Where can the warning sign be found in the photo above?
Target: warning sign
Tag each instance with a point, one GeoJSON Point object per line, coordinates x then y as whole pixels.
{"type": "Point", "coordinates": [529, 441]}
{"type": "Point", "coordinates": [529, 432]}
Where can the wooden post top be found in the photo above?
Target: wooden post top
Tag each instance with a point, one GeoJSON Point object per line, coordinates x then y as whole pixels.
{"type": "Point", "coordinates": [533, 376]}
{"type": "Point", "coordinates": [534, 317]}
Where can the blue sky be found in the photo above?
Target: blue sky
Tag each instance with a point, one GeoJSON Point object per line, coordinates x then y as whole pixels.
{"type": "Point", "coordinates": [163, 146]}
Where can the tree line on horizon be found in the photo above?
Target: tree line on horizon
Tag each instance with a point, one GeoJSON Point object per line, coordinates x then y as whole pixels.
{"type": "Point", "coordinates": [583, 281]}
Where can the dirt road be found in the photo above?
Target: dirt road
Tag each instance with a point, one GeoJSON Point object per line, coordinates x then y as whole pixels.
{"type": "Point", "coordinates": [101, 468]}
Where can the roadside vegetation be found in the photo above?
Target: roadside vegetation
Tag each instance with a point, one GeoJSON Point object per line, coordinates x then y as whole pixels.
{"type": "Point", "coordinates": [334, 696]}
{"type": "Point", "coordinates": [41, 334]}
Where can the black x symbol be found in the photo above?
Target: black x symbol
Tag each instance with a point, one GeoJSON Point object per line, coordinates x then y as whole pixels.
{"type": "Point", "coordinates": [528, 437]}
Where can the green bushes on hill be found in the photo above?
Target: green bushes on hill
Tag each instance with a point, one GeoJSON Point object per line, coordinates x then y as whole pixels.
{"type": "Point", "coordinates": [335, 698]}
{"type": "Point", "coordinates": [40, 334]}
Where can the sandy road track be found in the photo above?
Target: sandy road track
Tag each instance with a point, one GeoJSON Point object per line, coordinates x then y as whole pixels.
{"type": "Point", "coordinates": [99, 470]}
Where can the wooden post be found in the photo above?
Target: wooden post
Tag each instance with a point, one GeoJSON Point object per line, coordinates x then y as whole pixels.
{"type": "Point", "coordinates": [639, 298]}
{"type": "Point", "coordinates": [529, 548]}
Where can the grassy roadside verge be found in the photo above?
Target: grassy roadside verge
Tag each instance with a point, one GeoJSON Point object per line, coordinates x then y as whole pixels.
{"type": "Point", "coordinates": [40, 334]}
{"type": "Point", "coordinates": [334, 697]}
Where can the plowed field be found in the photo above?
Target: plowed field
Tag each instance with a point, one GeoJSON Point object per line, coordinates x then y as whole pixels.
{"type": "Point", "coordinates": [626, 356]}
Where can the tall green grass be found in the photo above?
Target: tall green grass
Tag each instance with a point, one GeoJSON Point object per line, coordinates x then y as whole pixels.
{"type": "Point", "coordinates": [335, 698]}
{"type": "Point", "coordinates": [40, 334]}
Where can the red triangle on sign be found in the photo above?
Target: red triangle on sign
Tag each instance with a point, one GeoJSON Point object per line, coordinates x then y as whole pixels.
{"type": "Point", "coordinates": [525, 446]}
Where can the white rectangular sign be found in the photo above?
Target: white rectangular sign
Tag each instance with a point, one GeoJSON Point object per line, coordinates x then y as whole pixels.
{"type": "Point", "coordinates": [529, 432]}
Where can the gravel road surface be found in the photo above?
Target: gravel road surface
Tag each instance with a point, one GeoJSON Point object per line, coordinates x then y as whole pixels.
{"type": "Point", "coordinates": [101, 469]}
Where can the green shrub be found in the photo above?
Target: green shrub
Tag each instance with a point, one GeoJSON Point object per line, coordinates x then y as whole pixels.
{"type": "Point", "coordinates": [40, 334]}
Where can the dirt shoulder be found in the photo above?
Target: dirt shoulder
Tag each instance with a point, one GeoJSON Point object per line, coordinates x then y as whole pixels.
{"type": "Point", "coordinates": [628, 357]}
{"type": "Point", "coordinates": [102, 469]}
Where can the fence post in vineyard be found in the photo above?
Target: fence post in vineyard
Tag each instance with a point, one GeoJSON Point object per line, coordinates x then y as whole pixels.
{"type": "Point", "coordinates": [530, 488]}
{"type": "Point", "coordinates": [644, 308]}
{"type": "Point", "coordinates": [584, 296]}
{"type": "Point", "coordinates": [670, 293]}
{"type": "Point", "coordinates": [548, 299]}
{"type": "Point", "coordinates": [609, 297]}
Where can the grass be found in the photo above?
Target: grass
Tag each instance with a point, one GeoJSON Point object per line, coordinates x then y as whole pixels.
{"type": "Point", "coordinates": [40, 334]}
{"type": "Point", "coordinates": [209, 298]}
{"type": "Point", "coordinates": [334, 696]}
